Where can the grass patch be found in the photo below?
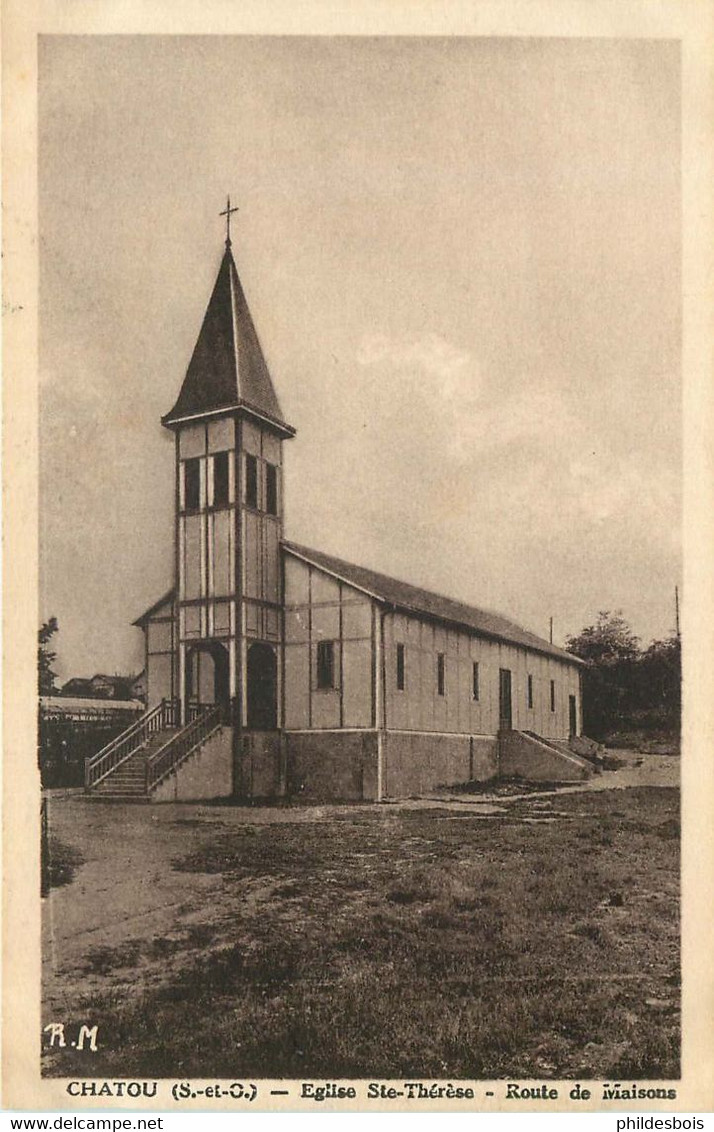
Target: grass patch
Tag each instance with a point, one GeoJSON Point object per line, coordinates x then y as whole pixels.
{"type": "Point", "coordinates": [393, 942]}
{"type": "Point", "coordinates": [59, 864]}
{"type": "Point", "coordinates": [651, 741]}
{"type": "Point", "coordinates": [102, 960]}
{"type": "Point", "coordinates": [501, 787]}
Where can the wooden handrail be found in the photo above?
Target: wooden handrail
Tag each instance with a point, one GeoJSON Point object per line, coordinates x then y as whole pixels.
{"type": "Point", "coordinates": [97, 767]}
{"type": "Point", "coordinates": [182, 744]}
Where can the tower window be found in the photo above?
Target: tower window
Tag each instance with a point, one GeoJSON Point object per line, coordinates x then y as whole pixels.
{"type": "Point", "coordinates": [192, 484]}
{"type": "Point", "coordinates": [475, 681]}
{"type": "Point", "coordinates": [552, 695]}
{"type": "Point", "coordinates": [440, 673]}
{"type": "Point", "coordinates": [251, 480]}
{"type": "Point", "coordinates": [271, 489]}
{"type": "Point", "coordinates": [530, 690]}
{"type": "Point", "coordinates": [325, 664]}
{"type": "Point", "coordinates": [220, 479]}
{"type": "Point", "coordinates": [400, 668]}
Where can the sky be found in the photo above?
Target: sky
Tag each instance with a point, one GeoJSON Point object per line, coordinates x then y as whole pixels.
{"type": "Point", "coordinates": [462, 257]}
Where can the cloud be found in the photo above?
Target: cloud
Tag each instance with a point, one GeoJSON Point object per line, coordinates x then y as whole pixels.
{"type": "Point", "coordinates": [466, 414]}
{"type": "Point", "coordinates": [499, 456]}
{"type": "Point", "coordinates": [452, 368]}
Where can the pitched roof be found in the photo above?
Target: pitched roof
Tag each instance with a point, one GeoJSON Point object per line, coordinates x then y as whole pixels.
{"type": "Point", "coordinates": [148, 613]}
{"type": "Point", "coordinates": [412, 599]}
{"type": "Point", "coordinates": [120, 685]}
{"type": "Point", "coordinates": [83, 706]}
{"type": "Point", "coordinates": [227, 369]}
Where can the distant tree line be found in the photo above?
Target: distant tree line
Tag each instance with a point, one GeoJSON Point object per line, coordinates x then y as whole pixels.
{"type": "Point", "coordinates": [624, 685]}
{"type": "Point", "coordinates": [47, 677]}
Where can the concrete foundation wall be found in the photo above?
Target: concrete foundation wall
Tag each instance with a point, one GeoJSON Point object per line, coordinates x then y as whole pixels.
{"type": "Point", "coordinates": [259, 766]}
{"type": "Point", "coordinates": [332, 765]}
{"type": "Point", "coordinates": [526, 757]}
{"type": "Point", "coordinates": [206, 774]}
{"type": "Point", "coordinates": [417, 762]}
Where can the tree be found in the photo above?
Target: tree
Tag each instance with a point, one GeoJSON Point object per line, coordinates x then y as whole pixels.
{"type": "Point", "coordinates": [612, 654]}
{"type": "Point", "coordinates": [623, 686]}
{"type": "Point", "coordinates": [661, 678]}
{"type": "Point", "coordinates": [607, 643]}
{"type": "Point", "coordinates": [46, 658]}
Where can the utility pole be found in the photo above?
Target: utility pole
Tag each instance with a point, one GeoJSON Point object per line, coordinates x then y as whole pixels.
{"type": "Point", "coordinates": [551, 630]}
{"type": "Point", "coordinates": [676, 609]}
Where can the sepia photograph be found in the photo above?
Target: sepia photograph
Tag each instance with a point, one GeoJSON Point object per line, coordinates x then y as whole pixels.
{"type": "Point", "coordinates": [362, 580]}
{"type": "Point", "coordinates": [360, 557]}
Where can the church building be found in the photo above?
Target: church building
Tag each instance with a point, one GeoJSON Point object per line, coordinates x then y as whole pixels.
{"type": "Point", "coordinates": [276, 670]}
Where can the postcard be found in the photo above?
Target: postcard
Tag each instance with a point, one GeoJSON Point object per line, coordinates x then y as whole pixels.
{"type": "Point", "coordinates": [358, 539]}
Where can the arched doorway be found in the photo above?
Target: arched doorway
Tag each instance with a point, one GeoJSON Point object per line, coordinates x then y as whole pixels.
{"type": "Point", "coordinates": [207, 676]}
{"type": "Point", "coordinates": [262, 680]}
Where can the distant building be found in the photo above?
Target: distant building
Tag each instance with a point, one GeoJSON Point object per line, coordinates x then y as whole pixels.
{"type": "Point", "coordinates": [320, 677]}
{"type": "Point", "coordinates": [88, 709]}
{"type": "Point", "coordinates": [72, 729]}
{"type": "Point", "coordinates": [101, 687]}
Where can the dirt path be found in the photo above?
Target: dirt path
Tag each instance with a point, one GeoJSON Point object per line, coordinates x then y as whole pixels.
{"type": "Point", "coordinates": [639, 770]}
{"type": "Point", "coordinates": [127, 890]}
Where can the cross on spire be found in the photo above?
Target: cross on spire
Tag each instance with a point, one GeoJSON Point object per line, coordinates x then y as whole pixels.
{"type": "Point", "coordinates": [227, 213]}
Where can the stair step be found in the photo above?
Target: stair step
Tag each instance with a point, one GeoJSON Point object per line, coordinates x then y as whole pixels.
{"type": "Point", "coordinates": [138, 773]}
{"type": "Point", "coordinates": [95, 796]}
{"type": "Point", "coordinates": [129, 787]}
{"type": "Point", "coordinates": [124, 778]}
{"type": "Point", "coordinates": [123, 787]}
{"type": "Point", "coordinates": [127, 781]}
{"type": "Point", "coordinates": [126, 774]}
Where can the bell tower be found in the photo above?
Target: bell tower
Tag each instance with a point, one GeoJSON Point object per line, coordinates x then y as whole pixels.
{"type": "Point", "coordinates": [229, 431]}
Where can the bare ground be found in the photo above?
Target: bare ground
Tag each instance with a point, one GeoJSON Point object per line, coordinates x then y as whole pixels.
{"type": "Point", "coordinates": [453, 936]}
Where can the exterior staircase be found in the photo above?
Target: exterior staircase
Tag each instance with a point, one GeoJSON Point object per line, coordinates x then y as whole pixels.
{"type": "Point", "coordinates": [525, 754]}
{"type": "Point", "coordinates": [127, 781]}
{"type": "Point", "coordinates": [565, 747]}
{"type": "Point", "coordinates": [577, 746]}
{"type": "Point", "coordinates": [587, 749]}
{"type": "Point", "coordinates": [132, 766]}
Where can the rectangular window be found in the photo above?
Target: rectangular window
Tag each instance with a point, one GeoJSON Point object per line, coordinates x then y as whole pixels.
{"type": "Point", "coordinates": [271, 489]}
{"type": "Point", "coordinates": [440, 673]}
{"type": "Point", "coordinates": [400, 668]}
{"type": "Point", "coordinates": [192, 484]}
{"type": "Point", "coordinates": [474, 678]}
{"type": "Point", "coordinates": [552, 695]}
{"type": "Point", "coordinates": [251, 480]}
{"type": "Point", "coordinates": [325, 664]}
{"type": "Point", "coordinates": [530, 690]}
{"type": "Point", "coordinates": [220, 479]}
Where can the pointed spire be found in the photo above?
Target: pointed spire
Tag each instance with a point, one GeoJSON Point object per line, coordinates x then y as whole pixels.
{"type": "Point", "coordinates": [227, 369]}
